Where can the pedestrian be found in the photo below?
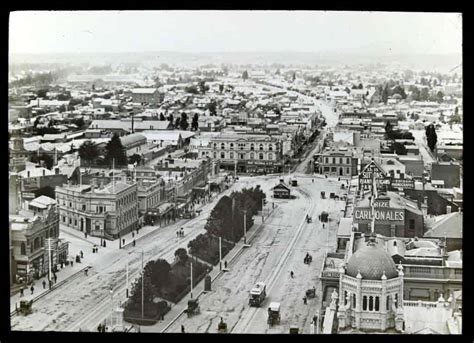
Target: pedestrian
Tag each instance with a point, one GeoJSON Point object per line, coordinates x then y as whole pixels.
{"type": "Point", "coordinates": [86, 271]}
{"type": "Point", "coordinates": [99, 328]}
{"type": "Point", "coordinates": [86, 234]}
{"type": "Point", "coordinates": [313, 180]}
{"type": "Point", "coordinates": [292, 274]}
{"type": "Point", "coordinates": [305, 300]}
{"type": "Point", "coordinates": [50, 284]}
{"type": "Point", "coordinates": [82, 254]}
{"type": "Point", "coordinates": [21, 292]}
{"type": "Point", "coordinates": [123, 241]}
{"type": "Point", "coordinates": [55, 278]}
{"type": "Point", "coordinates": [177, 233]}
{"type": "Point", "coordinates": [44, 284]}
{"type": "Point", "coordinates": [182, 329]}
{"type": "Point", "coordinates": [133, 234]}
{"type": "Point", "coordinates": [72, 262]}
{"type": "Point", "coordinates": [225, 264]}
{"type": "Point", "coordinates": [134, 243]}
{"type": "Point", "coordinates": [32, 289]}
{"type": "Point", "coordinates": [162, 316]}
{"type": "Point", "coordinates": [324, 225]}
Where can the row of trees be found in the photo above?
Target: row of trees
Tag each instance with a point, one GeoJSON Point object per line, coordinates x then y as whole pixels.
{"type": "Point", "coordinates": [114, 150]}
{"type": "Point", "coordinates": [182, 122]}
{"type": "Point", "coordinates": [431, 136]}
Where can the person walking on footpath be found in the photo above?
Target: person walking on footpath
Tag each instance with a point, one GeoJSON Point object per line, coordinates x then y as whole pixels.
{"type": "Point", "coordinates": [44, 284]}
{"type": "Point", "coordinates": [123, 241]}
{"type": "Point", "coordinates": [225, 264]}
{"type": "Point", "coordinates": [182, 329]}
{"type": "Point", "coordinates": [82, 254]}
{"type": "Point", "coordinates": [134, 243]}
{"type": "Point", "coordinates": [32, 289]}
{"type": "Point", "coordinates": [21, 292]}
{"type": "Point", "coordinates": [72, 262]}
{"type": "Point", "coordinates": [55, 278]}
{"type": "Point", "coordinates": [292, 274]}
{"type": "Point", "coordinates": [305, 300]}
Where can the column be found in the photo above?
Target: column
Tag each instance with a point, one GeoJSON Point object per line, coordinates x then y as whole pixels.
{"type": "Point", "coordinates": [383, 304]}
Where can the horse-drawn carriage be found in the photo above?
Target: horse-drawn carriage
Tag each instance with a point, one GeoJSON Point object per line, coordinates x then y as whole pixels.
{"type": "Point", "coordinates": [311, 293]}
{"type": "Point", "coordinates": [308, 259]}
{"type": "Point", "coordinates": [273, 313]}
{"type": "Point", "coordinates": [193, 307]}
{"type": "Point", "coordinates": [26, 307]}
{"type": "Point", "coordinates": [222, 326]}
{"type": "Point", "coordinates": [308, 219]}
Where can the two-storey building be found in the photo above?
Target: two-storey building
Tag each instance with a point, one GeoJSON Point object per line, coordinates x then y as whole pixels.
{"type": "Point", "coordinates": [339, 163]}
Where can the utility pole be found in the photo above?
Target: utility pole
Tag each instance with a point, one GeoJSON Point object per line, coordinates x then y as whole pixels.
{"type": "Point", "coordinates": [245, 226]}
{"type": "Point", "coordinates": [191, 277]}
{"type": "Point", "coordinates": [49, 261]}
{"type": "Point", "coordinates": [220, 253]}
{"type": "Point", "coordinates": [263, 204]}
{"type": "Point", "coordinates": [126, 291]}
{"type": "Point", "coordinates": [143, 288]}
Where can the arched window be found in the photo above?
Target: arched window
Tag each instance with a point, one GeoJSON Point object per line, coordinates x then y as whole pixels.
{"type": "Point", "coordinates": [222, 146]}
{"type": "Point", "coordinates": [377, 303]}
{"type": "Point", "coordinates": [232, 145]}
{"type": "Point", "coordinates": [260, 156]}
{"type": "Point", "coordinates": [345, 297]}
{"type": "Point", "coordinates": [270, 156]}
{"type": "Point", "coordinates": [371, 303]}
{"type": "Point", "coordinates": [261, 147]}
{"type": "Point", "coordinates": [215, 154]}
{"type": "Point", "coordinates": [231, 155]}
{"type": "Point", "coordinates": [396, 300]}
{"type": "Point", "coordinates": [252, 156]}
{"type": "Point", "coordinates": [353, 300]}
{"type": "Point", "coordinates": [270, 147]}
{"type": "Point", "coordinates": [222, 154]}
{"type": "Point", "coordinates": [364, 303]}
{"type": "Point", "coordinates": [388, 303]}
{"type": "Point", "coordinates": [23, 248]}
{"type": "Point", "coordinates": [252, 147]}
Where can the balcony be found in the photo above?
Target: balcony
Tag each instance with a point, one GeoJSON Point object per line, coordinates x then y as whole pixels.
{"type": "Point", "coordinates": [432, 272]}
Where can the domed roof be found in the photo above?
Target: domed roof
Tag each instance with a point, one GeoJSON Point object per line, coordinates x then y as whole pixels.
{"type": "Point", "coordinates": [371, 262]}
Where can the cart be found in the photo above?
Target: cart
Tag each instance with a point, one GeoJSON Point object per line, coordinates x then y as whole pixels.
{"type": "Point", "coordinates": [308, 259]}
{"type": "Point", "coordinates": [193, 307]}
{"type": "Point", "coordinates": [323, 195]}
{"type": "Point", "coordinates": [324, 217]}
{"type": "Point", "coordinates": [222, 326]}
{"type": "Point", "coordinates": [26, 307]}
{"type": "Point", "coordinates": [273, 313]}
{"type": "Point", "coordinates": [311, 293]}
{"type": "Point", "coordinates": [309, 219]}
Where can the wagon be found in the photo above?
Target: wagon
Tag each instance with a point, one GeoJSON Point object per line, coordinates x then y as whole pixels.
{"type": "Point", "coordinates": [222, 326]}
{"type": "Point", "coordinates": [193, 307]}
{"type": "Point", "coordinates": [273, 313]}
{"type": "Point", "coordinates": [26, 307]}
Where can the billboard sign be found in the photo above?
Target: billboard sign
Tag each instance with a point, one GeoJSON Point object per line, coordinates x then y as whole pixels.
{"type": "Point", "coordinates": [383, 215]}
{"type": "Point", "coordinates": [370, 172]}
{"type": "Point", "coordinates": [402, 183]}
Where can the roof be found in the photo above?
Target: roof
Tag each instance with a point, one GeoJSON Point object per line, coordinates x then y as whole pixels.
{"type": "Point", "coordinates": [274, 306]}
{"type": "Point", "coordinates": [449, 225]}
{"type": "Point", "coordinates": [35, 172]}
{"type": "Point", "coordinates": [345, 227]}
{"type": "Point", "coordinates": [132, 138]}
{"type": "Point", "coordinates": [281, 185]}
{"type": "Point", "coordinates": [144, 90]}
{"type": "Point", "coordinates": [167, 135]}
{"type": "Point", "coordinates": [42, 202]}
{"type": "Point", "coordinates": [371, 262]}
{"type": "Point", "coordinates": [396, 201]}
{"type": "Point", "coordinates": [127, 124]}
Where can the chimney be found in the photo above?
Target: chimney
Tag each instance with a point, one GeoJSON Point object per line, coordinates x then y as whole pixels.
{"type": "Point", "coordinates": [448, 209]}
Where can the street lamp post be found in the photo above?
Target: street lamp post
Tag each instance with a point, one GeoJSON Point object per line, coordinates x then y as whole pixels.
{"type": "Point", "coordinates": [220, 253]}
{"type": "Point", "coordinates": [191, 277]}
{"type": "Point", "coordinates": [263, 204]}
{"type": "Point", "coordinates": [245, 226]}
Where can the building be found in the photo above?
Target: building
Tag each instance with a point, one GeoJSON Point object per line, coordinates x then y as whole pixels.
{"type": "Point", "coordinates": [371, 291]}
{"type": "Point", "coordinates": [413, 165]}
{"type": "Point", "coordinates": [35, 239]}
{"type": "Point", "coordinates": [106, 211]}
{"type": "Point", "coordinates": [338, 163]}
{"type": "Point", "coordinates": [133, 143]}
{"type": "Point", "coordinates": [281, 191]}
{"type": "Point", "coordinates": [247, 153]}
{"type": "Point", "coordinates": [448, 227]}
{"type": "Point", "coordinates": [125, 126]}
{"type": "Point", "coordinates": [147, 95]}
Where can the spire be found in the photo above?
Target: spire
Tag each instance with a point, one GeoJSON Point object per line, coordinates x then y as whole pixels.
{"type": "Point", "coordinates": [383, 276]}
{"type": "Point", "coordinates": [359, 275]}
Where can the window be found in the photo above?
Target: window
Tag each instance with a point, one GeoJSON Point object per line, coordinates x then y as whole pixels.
{"type": "Point", "coordinates": [231, 155]}
{"type": "Point", "coordinates": [252, 147]}
{"type": "Point", "coordinates": [340, 160]}
{"type": "Point", "coordinates": [396, 300]}
{"type": "Point", "coordinates": [348, 160]}
{"type": "Point", "coordinates": [23, 248]}
{"type": "Point", "coordinates": [348, 171]}
{"type": "Point", "coordinates": [242, 156]}
{"type": "Point", "coordinates": [333, 169]}
{"type": "Point", "coordinates": [215, 145]}
{"type": "Point", "coordinates": [326, 160]}
{"type": "Point", "coordinates": [252, 156]}
{"type": "Point", "coordinates": [364, 303]}
{"type": "Point", "coordinates": [270, 147]}
{"type": "Point", "coordinates": [232, 146]}
{"type": "Point", "coordinates": [222, 155]}
{"type": "Point", "coordinates": [377, 303]}
{"type": "Point", "coordinates": [270, 156]}
{"type": "Point", "coordinates": [64, 219]}
{"type": "Point", "coordinates": [97, 227]}
{"type": "Point", "coordinates": [70, 204]}
{"type": "Point", "coordinates": [388, 303]}
{"type": "Point", "coordinates": [215, 154]}
{"type": "Point", "coordinates": [326, 169]}
{"type": "Point", "coordinates": [222, 146]}
{"type": "Point", "coordinates": [353, 300]}
{"type": "Point", "coordinates": [70, 221]}
{"type": "Point", "coordinates": [260, 156]}
{"type": "Point", "coordinates": [345, 297]}
{"type": "Point", "coordinates": [261, 147]}
{"type": "Point", "coordinates": [83, 207]}
{"type": "Point", "coordinates": [75, 222]}
{"type": "Point", "coordinates": [371, 303]}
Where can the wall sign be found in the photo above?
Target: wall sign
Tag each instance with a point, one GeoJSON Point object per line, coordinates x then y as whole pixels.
{"type": "Point", "coordinates": [383, 215]}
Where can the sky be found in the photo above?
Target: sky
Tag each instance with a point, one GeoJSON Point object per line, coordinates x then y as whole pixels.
{"type": "Point", "coordinates": [235, 31]}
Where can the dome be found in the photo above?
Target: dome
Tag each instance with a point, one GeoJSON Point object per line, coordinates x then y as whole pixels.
{"type": "Point", "coordinates": [371, 262]}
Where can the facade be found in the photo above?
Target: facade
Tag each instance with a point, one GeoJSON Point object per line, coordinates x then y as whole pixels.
{"type": "Point", "coordinates": [107, 211]}
{"type": "Point", "coordinates": [133, 143]}
{"type": "Point", "coordinates": [281, 191]}
{"type": "Point", "coordinates": [147, 95]}
{"type": "Point", "coordinates": [370, 291]}
{"type": "Point", "coordinates": [337, 163]}
{"type": "Point", "coordinates": [34, 233]}
{"type": "Point", "coordinates": [247, 153]}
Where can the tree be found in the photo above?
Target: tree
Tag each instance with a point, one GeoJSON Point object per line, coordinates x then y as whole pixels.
{"type": "Point", "coordinates": [170, 119]}
{"type": "Point", "coordinates": [203, 87]}
{"type": "Point", "coordinates": [46, 158]}
{"type": "Point", "coordinates": [219, 222]}
{"type": "Point", "coordinates": [182, 255]}
{"type": "Point", "coordinates": [162, 117]}
{"type": "Point", "coordinates": [424, 94]}
{"type": "Point", "coordinates": [192, 89]}
{"type": "Point", "coordinates": [385, 94]}
{"type": "Point", "coordinates": [388, 127]}
{"type": "Point", "coordinates": [184, 121]}
{"type": "Point", "coordinates": [159, 271]}
{"type": "Point", "coordinates": [361, 86]}
{"type": "Point", "coordinates": [399, 148]}
{"type": "Point", "coordinates": [88, 151]}
{"type": "Point", "coordinates": [135, 158]}
{"type": "Point", "coordinates": [79, 122]}
{"type": "Point", "coordinates": [62, 108]}
{"type": "Point", "coordinates": [177, 123]}
{"type": "Point", "coordinates": [115, 150]}
{"type": "Point", "coordinates": [221, 88]}
{"type": "Point", "coordinates": [148, 291]}
{"type": "Point", "coordinates": [293, 77]}
{"type": "Point", "coordinates": [245, 75]}
{"type": "Point", "coordinates": [212, 108]}
{"type": "Point", "coordinates": [41, 93]}
{"type": "Point", "coordinates": [431, 136]}
{"type": "Point", "coordinates": [195, 122]}
{"type": "Point", "coordinates": [440, 96]}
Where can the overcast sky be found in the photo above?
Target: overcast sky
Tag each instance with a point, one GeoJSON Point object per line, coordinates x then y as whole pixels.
{"type": "Point", "coordinates": [233, 31]}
